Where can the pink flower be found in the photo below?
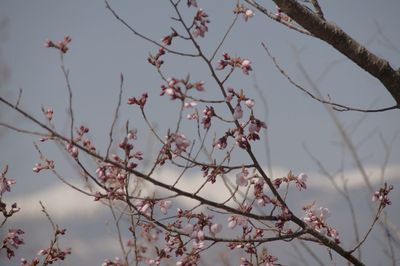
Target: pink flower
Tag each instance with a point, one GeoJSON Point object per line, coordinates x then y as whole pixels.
{"type": "Point", "coordinates": [143, 206]}
{"type": "Point", "coordinates": [248, 14]}
{"type": "Point", "coordinates": [141, 101]}
{"type": "Point", "coordinates": [249, 103]}
{"type": "Point", "coordinates": [12, 240]}
{"type": "Point", "coordinates": [200, 235]}
{"type": "Point", "coordinates": [73, 150]}
{"type": "Point", "coordinates": [5, 184]}
{"type": "Point", "coordinates": [48, 44]}
{"type": "Point", "coordinates": [241, 141]}
{"type": "Point", "coordinates": [246, 66]}
{"type": "Point", "coordinates": [237, 220]}
{"type": "Point", "coordinates": [49, 113]}
{"type": "Point", "coordinates": [221, 143]}
{"type": "Point", "coordinates": [165, 205]}
{"type": "Point", "coordinates": [181, 143]}
{"type": "Point", "coordinates": [199, 85]}
{"type": "Point", "coordinates": [232, 222]}
{"type": "Point", "coordinates": [200, 22]}
{"type": "Point", "coordinates": [215, 228]}
{"type": "Point", "coordinates": [242, 178]}
{"type": "Point", "coordinates": [238, 112]}
{"type": "Point", "coordinates": [190, 104]}
{"type": "Point", "coordinates": [62, 45]}
{"type": "Point", "coordinates": [301, 181]}
{"type": "Point", "coordinates": [193, 116]}
{"type": "Point", "coordinates": [383, 195]}
{"type": "Point", "coordinates": [206, 120]}
{"type": "Point", "coordinates": [132, 134]}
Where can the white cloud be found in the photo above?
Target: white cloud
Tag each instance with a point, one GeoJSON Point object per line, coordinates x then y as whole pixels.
{"type": "Point", "coordinates": [61, 201]}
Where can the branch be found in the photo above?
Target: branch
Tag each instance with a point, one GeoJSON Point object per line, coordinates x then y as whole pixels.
{"type": "Point", "coordinates": [341, 41]}
{"type": "Point", "coordinates": [335, 106]}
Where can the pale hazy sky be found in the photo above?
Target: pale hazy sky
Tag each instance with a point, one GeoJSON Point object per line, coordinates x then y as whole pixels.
{"type": "Point", "coordinates": [102, 48]}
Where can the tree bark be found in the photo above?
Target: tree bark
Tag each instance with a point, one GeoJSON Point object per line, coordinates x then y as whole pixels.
{"type": "Point", "coordinates": [341, 41]}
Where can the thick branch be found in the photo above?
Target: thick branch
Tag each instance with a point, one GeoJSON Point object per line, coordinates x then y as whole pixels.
{"type": "Point", "coordinates": [345, 44]}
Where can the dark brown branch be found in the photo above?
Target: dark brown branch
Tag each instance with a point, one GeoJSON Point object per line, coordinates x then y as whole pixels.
{"type": "Point", "coordinates": [318, 9]}
{"type": "Point", "coordinates": [341, 41]}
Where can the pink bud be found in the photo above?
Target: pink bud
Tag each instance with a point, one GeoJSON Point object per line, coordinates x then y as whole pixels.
{"type": "Point", "coordinates": [250, 103]}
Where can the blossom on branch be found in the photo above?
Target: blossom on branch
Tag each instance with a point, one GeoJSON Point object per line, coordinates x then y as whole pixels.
{"type": "Point", "coordinates": [62, 45]}
{"type": "Point", "coordinates": [382, 195]}
{"type": "Point", "coordinates": [200, 23]}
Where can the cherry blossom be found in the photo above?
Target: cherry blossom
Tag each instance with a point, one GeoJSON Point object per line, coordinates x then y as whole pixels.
{"type": "Point", "coordinates": [141, 101]}
{"type": "Point", "coordinates": [190, 104]}
{"type": "Point", "coordinates": [208, 112]}
{"type": "Point", "coordinates": [249, 103]}
{"type": "Point", "coordinates": [238, 112]}
{"type": "Point", "coordinates": [383, 195]}
{"type": "Point", "coordinates": [235, 220]}
{"type": "Point", "coordinates": [200, 22]}
{"type": "Point", "coordinates": [248, 14]}
{"type": "Point", "coordinates": [62, 45]}
{"type": "Point", "coordinates": [165, 205]}
{"type": "Point", "coordinates": [242, 178]}
{"type": "Point", "coordinates": [12, 241]}
{"type": "Point", "coordinates": [215, 228]}
{"type": "Point", "coordinates": [5, 184]}
{"type": "Point", "coordinates": [221, 143]}
{"type": "Point", "coordinates": [301, 181]}
{"type": "Point", "coordinates": [246, 66]}
{"type": "Point", "coordinates": [316, 219]}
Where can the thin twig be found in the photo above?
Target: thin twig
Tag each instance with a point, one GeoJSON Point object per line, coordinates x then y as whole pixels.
{"type": "Point", "coordinates": [115, 114]}
{"type": "Point", "coordinates": [335, 106]}
{"type": "Point", "coordinates": [143, 36]}
{"type": "Point", "coordinates": [71, 112]}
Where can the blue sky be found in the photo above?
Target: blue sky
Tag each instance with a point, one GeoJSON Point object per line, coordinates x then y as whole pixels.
{"type": "Point", "coordinates": [102, 48]}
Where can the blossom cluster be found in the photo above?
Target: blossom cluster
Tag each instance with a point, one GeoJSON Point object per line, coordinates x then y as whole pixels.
{"type": "Point", "coordinates": [200, 23]}
{"type": "Point", "coordinates": [316, 219]}
{"type": "Point", "coordinates": [156, 60]}
{"type": "Point", "coordinates": [112, 176]}
{"type": "Point", "coordinates": [174, 145]}
{"type": "Point", "coordinates": [175, 91]}
{"type": "Point", "coordinates": [61, 45]}
{"type": "Point", "coordinates": [234, 62]}
{"type": "Point", "coordinates": [299, 180]}
{"type": "Point", "coordinates": [12, 241]}
{"type": "Point", "coordinates": [241, 9]}
{"type": "Point", "coordinates": [382, 195]}
{"type": "Point", "coordinates": [167, 40]}
{"type": "Point", "coordinates": [253, 125]}
{"type": "Point", "coordinates": [138, 101]}
{"type": "Point", "coordinates": [48, 164]}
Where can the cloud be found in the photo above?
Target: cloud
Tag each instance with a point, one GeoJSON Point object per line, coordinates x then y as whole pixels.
{"type": "Point", "coordinates": [60, 200]}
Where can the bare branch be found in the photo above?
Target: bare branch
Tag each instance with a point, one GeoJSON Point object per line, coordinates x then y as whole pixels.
{"type": "Point", "coordinates": [335, 106]}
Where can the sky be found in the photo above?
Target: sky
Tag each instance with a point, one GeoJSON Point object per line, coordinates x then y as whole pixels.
{"type": "Point", "coordinates": [102, 48]}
